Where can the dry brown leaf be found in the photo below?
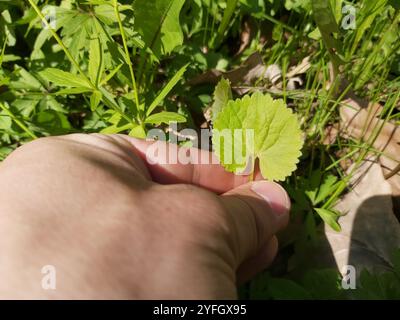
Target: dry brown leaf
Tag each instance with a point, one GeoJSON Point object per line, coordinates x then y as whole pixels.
{"type": "Point", "coordinates": [331, 133]}
{"type": "Point", "coordinates": [362, 123]}
{"type": "Point", "coordinates": [253, 29]}
{"type": "Point", "coordinates": [243, 74]}
{"type": "Point", "coordinates": [254, 69]}
{"type": "Point", "coordinates": [210, 76]}
{"type": "Point", "coordinates": [302, 68]}
{"type": "Point", "coordinates": [370, 230]}
{"type": "Point", "coordinates": [294, 83]}
{"type": "Point", "coordinates": [245, 36]}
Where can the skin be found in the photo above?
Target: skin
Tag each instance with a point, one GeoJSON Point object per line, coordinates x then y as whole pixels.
{"type": "Point", "coordinates": [117, 227]}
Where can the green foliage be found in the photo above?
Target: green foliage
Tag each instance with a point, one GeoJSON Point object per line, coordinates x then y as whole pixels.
{"type": "Point", "coordinates": [320, 284]}
{"type": "Point", "coordinates": [298, 4]}
{"type": "Point", "coordinates": [326, 284]}
{"type": "Point", "coordinates": [128, 66]}
{"type": "Point", "coordinates": [164, 92]}
{"type": "Point", "coordinates": [64, 79]}
{"type": "Point", "coordinates": [395, 4]}
{"type": "Point", "coordinates": [310, 196]}
{"type": "Point", "coordinates": [330, 217]}
{"type": "Point", "coordinates": [158, 23]}
{"type": "Point", "coordinates": [222, 95]}
{"type": "Point", "coordinates": [325, 19]}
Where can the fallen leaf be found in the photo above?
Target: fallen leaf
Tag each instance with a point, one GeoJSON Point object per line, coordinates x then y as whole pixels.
{"type": "Point", "coordinates": [253, 29]}
{"type": "Point", "coordinates": [244, 73]}
{"type": "Point", "coordinates": [252, 70]}
{"type": "Point", "coordinates": [331, 133]}
{"type": "Point", "coordinates": [294, 83]}
{"type": "Point", "coordinates": [361, 123]}
{"type": "Point", "coordinates": [370, 230]}
{"type": "Point", "coordinates": [245, 36]}
{"type": "Point", "coordinates": [301, 68]}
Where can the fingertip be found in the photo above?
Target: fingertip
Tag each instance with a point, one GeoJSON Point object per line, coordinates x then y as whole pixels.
{"type": "Point", "coordinates": [276, 197]}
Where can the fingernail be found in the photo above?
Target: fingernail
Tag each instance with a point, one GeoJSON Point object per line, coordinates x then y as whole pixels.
{"type": "Point", "coordinates": [274, 194]}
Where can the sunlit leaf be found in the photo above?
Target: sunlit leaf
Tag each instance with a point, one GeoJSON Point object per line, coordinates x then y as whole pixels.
{"type": "Point", "coordinates": [276, 143]}
{"type": "Point", "coordinates": [63, 79]}
{"type": "Point", "coordinates": [158, 23]}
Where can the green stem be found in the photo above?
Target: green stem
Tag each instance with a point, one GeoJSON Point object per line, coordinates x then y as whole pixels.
{"type": "Point", "coordinates": [107, 101]}
{"type": "Point", "coordinates": [343, 183]}
{"type": "Point", "coordinates": [58, 39]}
{"type": "Point", "coordinates": [226, 20]}
{"type": "Point", "coordinates": [18, 122]}
{"type": "Point", "coordinates": [127, 55]}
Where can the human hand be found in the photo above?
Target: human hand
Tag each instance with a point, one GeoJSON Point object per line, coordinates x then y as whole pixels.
{"type": "Point", "coordinates": [116, 227]}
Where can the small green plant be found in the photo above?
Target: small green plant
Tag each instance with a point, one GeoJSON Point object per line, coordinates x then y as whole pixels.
{"type": "Point", "coordinates": [276, 136]}
{"type": "Point", "coordinates": [324, 284]}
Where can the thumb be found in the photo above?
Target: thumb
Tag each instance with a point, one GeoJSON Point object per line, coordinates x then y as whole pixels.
{"type": "Point", "coordinates": [258, 210]}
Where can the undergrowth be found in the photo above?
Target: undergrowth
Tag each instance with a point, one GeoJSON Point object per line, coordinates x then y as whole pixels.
{"type": "Point", "coordinates": [128, 66]}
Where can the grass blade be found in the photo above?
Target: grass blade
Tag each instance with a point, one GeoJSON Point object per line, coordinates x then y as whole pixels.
{"type": "Point", "coordinates": [226, 19]}
{"type": "Point", "coordinates": [166, 90]}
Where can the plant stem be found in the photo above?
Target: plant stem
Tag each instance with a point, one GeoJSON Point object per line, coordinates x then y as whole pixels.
{"type": "Point", "coordinates": [251, 176]}
{"type": "Point", "coordinates": [108, 101]}
{"type": "Point", "coordinates": [127, 55]}
{"type": "Point", "coordinates": [343, 183]}
{"type": "Point", "coordinates": [17, 121]}
{"type": "Point", "coordinates": [226, 20]}
{"type": "Point", "coordinates": [58, 39]}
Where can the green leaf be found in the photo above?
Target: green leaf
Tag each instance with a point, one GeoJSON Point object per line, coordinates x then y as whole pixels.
{"type": "Point", "coordinates": [10, 58]}
{"type": "Point", "coordinates": [323, 284]}
{"type": "Point", "coordinates": [327, 187]}
{"type": "Point", "coordinates": [116, 129]}
{"type": "Point", "coordinates": [285, 289]}
{"type": "Point", "coordinates": [95, 99]}
{"type": "Point", "coordinates": [395, 4]}
{"type": "Point", "coordinates": [396, 262]}
{"type": "Point", "coordinates": [324, 16]}
{"type": "Point", "coordinates": [325, 19]}
{"type": "Point", "coordinates": [5, 121]}
{"type": "Point", "coordinates": [369, 11]}
{"type": "Point", "coordinates": [222, 94]}
{"type": "Point", "coordinates": [377, 286]}
{"type": "Point", "coordinates": [165, 117]}
{"type": "Point", "coordinates": [226, 20]}
{"type": "Point", "coordinates": [319, 187]}
{"type": "Point", "coordinates": [330, 217]}
{"type": "Point", "coordinates": [111, 74]}
{"type": "Point", "coordinates": [164, 92]}
{"type": "Point", "coordinates": [52, 122]}
{"type": "Point", "coordinates": [95, 61]}
{"type": "Point", "coordinates": [277, 137]}
{"type": "Point", "coordinates": [76, 90]}
{"type": "Point", "coordinates": [22, 79]}
{"type": "Point", "coordinates": [138, 132]}
{"type": "Point", "coordinates": [3, 50]}
{"type": "Point", "coordinates": [158, 23]}
{"type": "Point", "coordinates": [315, 34]}
{"type": "Point", "coordinates": [63, 79]}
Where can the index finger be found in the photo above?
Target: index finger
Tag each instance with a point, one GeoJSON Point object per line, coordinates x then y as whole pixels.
{"type": "Point", "coordinates": [208, 174]}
